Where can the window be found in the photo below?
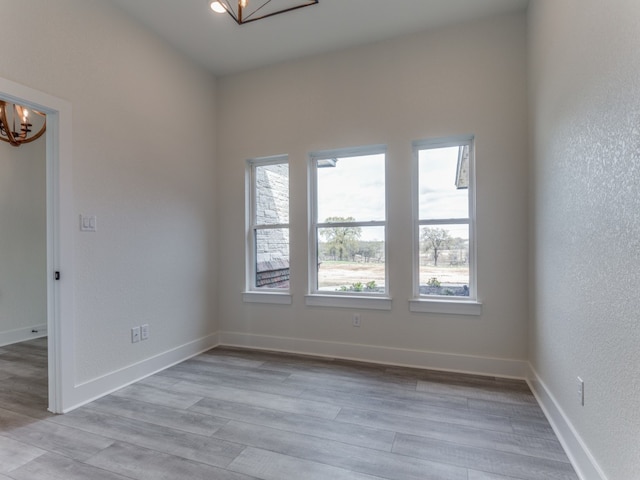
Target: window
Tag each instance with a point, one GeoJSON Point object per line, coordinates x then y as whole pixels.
{"type": "Point", "coordinates": [268, 226]}
{"type": "Point", "coordinates": [444, 249]}
{"type": "Point", "coordinates": [348, 223]}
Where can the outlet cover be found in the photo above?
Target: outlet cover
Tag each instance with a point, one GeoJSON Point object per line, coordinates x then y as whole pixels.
{"type": "Point", "coordinates": [144, 332]}
{"type": "Point", "coordinates": [135, 334]}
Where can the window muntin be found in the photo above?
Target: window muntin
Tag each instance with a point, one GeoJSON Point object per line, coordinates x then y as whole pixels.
{"type": "Point", "coordinates": [268, 242]}
{"type": "Point", "coordinates": [348, 217]}
{"type": "Point", "coordinates": [445, 244]}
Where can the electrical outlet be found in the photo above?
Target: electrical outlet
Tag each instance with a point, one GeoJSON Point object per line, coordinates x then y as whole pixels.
{"type": "Point", "coordinates": [135, 334]}
{"type": "Point", "coordinates": [144, 332]}
{"type": "Point", "coordinates": [581, 391]}
{"type": "Point", "coordinates": [356, 319]}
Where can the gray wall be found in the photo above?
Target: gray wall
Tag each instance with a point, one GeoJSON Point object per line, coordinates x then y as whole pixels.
{"type": "Point", "coordinates": [148, 179]}
{"type": "Point", "coordinates": [23, 246]}
{"type": "Point", "coordinates": [585, 86]}
{"type": "Point", "coordinates": [469, 79]}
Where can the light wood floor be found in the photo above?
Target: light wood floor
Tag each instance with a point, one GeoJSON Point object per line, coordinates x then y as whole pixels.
{"type": "Point", "coordinates": [239, 415]}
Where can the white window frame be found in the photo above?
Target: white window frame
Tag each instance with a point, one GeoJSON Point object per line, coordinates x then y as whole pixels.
{"type": "Point", "coordinates": [252, 293]}
{"type": "Point", "coordinates": [318, 298]}
{"type": "Point", "coordinates": [436, 303]}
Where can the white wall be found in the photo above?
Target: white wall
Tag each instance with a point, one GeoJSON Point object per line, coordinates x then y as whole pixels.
{"type": "Point", "coordinates": [23, 247]}
{"type": "Point", "coordinates": [585, 86]}
{"type": "Point", "coordinates": [143, 163]}
{"type": "Point", "coordinates": [470, 79]}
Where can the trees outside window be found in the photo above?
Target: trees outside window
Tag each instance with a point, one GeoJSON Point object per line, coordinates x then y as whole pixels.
{"type": "Point", "coordinates": [445, 218]}
{"type": "Point", "coordinates": [348, 222]}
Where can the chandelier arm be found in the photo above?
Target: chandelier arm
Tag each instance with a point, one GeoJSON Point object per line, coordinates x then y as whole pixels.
{"type": "Point", "coordinates": [37, 135]}
{"type": "Point", "coordinates": [10, 138]}
{"type": "Point", "coordinates": [248, 17]}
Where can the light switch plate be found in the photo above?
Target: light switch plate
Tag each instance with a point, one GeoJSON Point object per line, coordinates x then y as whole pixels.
{"type": "Point", "coordinates": [88, 223]}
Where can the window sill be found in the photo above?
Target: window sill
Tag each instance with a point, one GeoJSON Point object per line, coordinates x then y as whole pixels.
{"type": "Point", "coordinates": [274, 298]}
{"type": "Point", "coordinates": [453, 307]}
{"type": "Point", "coordinates": [348, 301]}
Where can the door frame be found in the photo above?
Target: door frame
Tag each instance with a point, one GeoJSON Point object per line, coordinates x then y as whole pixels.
{"type": "Point", "coordinates": [60, 229]}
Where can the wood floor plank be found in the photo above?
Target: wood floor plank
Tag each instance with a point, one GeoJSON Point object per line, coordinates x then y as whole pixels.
{"type": "Point", "coordinates": [414, 410]}
{"type": "Point", "coordinates": [21, 368]}
{"type": "Point", "coordinates": [283, 403]}
{"type": "Point", "coordinates": [218, 356]}
{"type": "Point", "coordinates": [358, 459]}
{"type": "Point", "coordinates": [506, 409]}
{"type": "Point", "coordinates": [508, 464]}
{"type": "Point", "coordinates": [338, 431]}
{"type": "Point", "coordinates": [535, 427]}
{"type": "Point", "coordinates": [14, 454]}
{"type": "Point", "coordinates": [185, 420]}
{"type": "Point", "coordinates": [57, 467]}
{"type": "Point", "coordinates": [268, 465]}
{"type": "Point", "coordinates": [28, 404]}
{"type": "Point", "coordinates": [335, 381]}
{"type": "Point", "coordinates": [232, 379]}
{"type": "Point", "coordinates": [477, 475]}
{"type": "Point", "coordinates": [492, 392]}
{"type": "Point", "coordinates": [158, 396]}
{"type": "Point", "coordinates": [51, 437]}
{"type": "Point", "coordinates": [207, 450]}
{"type": "Point", "coordinates": [212, 368]}
{"type": "Point", "coordinates": [159, 381]}
{"type": "Point", "coordinates": [143, 464]}
{"type": "Point", "coordinates": [454, 433]}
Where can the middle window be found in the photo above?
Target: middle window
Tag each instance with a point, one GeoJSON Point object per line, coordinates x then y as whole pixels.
{"type": "Point", "coordinates": [348, 222]}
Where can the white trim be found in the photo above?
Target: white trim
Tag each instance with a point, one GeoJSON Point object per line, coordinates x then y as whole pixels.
{"type": "Point", "coordinates": [23, 334]}
{"type": "Point", "coordinates": [459, 307]}
{"type": "Point", "coordinates": [273, 298]}
{"type": "Point", "coordinates": [61, 223]}
{"type": "Point", "coordinates": [581, 458]}
{"type": "Point", "coordinates": [348, 301]}
{"type": "Point", "coordinates": [92, 390]}
{"type": "Point", "coordinates": [496, 367]}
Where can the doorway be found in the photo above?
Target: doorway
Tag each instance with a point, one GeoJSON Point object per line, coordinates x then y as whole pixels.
{"type": "Point", "coordinates": [59, 238]}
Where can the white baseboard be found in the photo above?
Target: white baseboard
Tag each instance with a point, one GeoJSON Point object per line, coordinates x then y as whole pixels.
{"type": "Point", "coordinates": [581, 458]}
{"type": "Point", "coordinates": [497, 367]}
{"type": "Point", "coordinates": [92, 390]}
{"type": "Point", "coordinates": [23, 334]}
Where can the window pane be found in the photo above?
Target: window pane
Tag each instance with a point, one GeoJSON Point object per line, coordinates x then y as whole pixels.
{"type": "Point", "coordinates": [444, 182]}
{"type": "Point", "coordinates": [444, 260]}
{"type": "Point", "coordinates": [351, 189]}
{"type": "Point", "coordinates": [272, 258]}
{"type": "Point", "coordinates": [272, 194]}
{"type": "Point", "coordinates": [351, 259]}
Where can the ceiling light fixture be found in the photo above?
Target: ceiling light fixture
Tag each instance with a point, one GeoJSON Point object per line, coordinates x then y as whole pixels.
{"type": "Point", "coordinates": [245, 11]}
{"type": "Point", "coordinates": [16, 126]}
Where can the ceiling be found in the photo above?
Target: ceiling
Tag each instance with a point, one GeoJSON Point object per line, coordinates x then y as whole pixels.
{"type": "Point", "coordinates": [224, 47]}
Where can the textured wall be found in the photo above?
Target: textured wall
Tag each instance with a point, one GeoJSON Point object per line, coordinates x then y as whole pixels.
{"type": "Point", "coordinates": [23, 246]}
{"type": "Point", "coordinates": [143, 163]}
{"type": "Point", "coordinates": [470, 79]}
{"type": "Point", "coordinates": [585, 86]}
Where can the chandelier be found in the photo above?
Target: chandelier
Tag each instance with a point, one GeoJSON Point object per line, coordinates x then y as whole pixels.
{"type": "Point", "coordinates": [15, 123]}
{"type": "Point", "coordinates": [245, 11]}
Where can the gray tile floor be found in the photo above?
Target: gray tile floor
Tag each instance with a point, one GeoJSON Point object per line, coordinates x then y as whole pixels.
{"type": "Point", "coordinates": [238, 415]}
